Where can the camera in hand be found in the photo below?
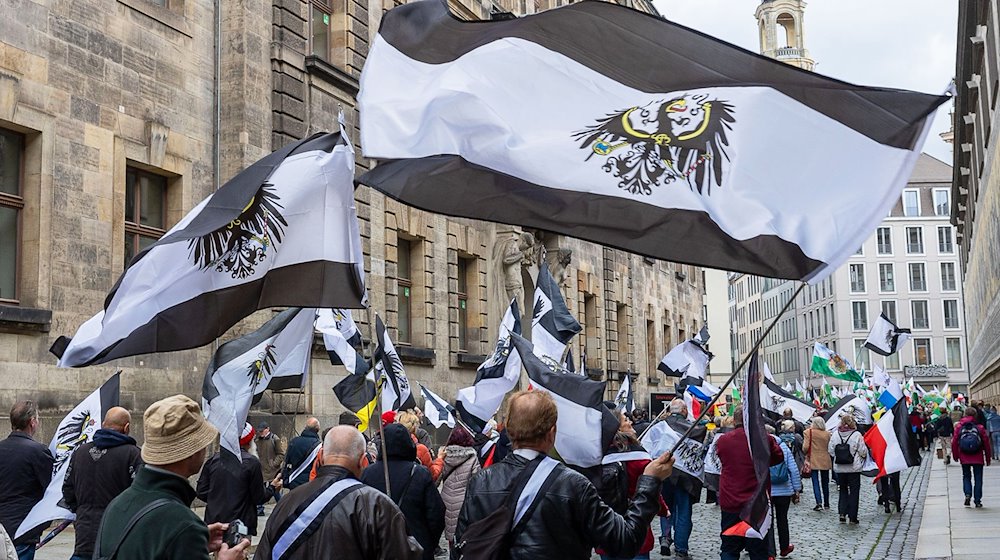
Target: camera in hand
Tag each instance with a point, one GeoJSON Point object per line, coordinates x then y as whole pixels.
{"type": "Point", "coordinates": [235, 534]}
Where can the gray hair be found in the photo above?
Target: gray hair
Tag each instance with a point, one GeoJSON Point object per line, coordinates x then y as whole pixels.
{"type": "Point", "coordinates": [818, 423]}
{"type": "Point", "coordinates": [344, 441]}
{"type": "Point", "coordinates": [677, 406]}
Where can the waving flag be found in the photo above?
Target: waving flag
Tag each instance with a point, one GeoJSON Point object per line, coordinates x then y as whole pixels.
{"type": "Point", "coordinates": [358, 392]}
{"type": "Point", "coordinates": [568, 365]}
{"type": "Point", "coordinates": [829, 363]}
{"type": "Point", "coordinates": [585, 426]}
{"type": "Point", "coordinates": [283, 233]}
{"type": "Point", "coordinates": [850, 404]}
{"type": "Point", "coordinates": [396, 393]}
{"type": "Point", "coordinates": [664, 434]}
{"type": "Point", "coordinates": [437, 410]}
{"type": "Point", "coordinates": [775, 400]}
{"type": "Point", "coordinates": [624, 399]}
{"type": "Point", "coordinates": [75, 429]}
{"type": "Point", "coordinates": [275, 356]}
{"type": "Point", "coordinates": [755, 518]}
{"type": "Point", "coordinates": [552, 325]}
{"type": "Point", "coordinates": [634, 132]}
{"type": "Point", "coordinates": [342, 339]}
{"type": "Point", "coordinates": [891, 441]}
{"type": "Point", "coordinates": [496, 376]}
{"type": "Point", "coordinates": [885, 337]}
{"type": "Point", "coordinates": [687, 359]}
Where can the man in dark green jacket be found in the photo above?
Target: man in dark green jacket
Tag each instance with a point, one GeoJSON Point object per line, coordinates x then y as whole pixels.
{"type": "Point", "coordinates": [176, 440]}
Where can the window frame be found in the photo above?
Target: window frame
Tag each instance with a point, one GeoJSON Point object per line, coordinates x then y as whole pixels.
{"type": "Point", "coordinates": [330, 8]}
{"type": "Point", "coordinates": [909, 276]}
{"type": "Point", "coordinates": [947, 195]}
{"type": "Point", "coordinates": [916, 193]}
{"type": "Point", "coordinates": [895, 309]}
{"type": "Point", "coordinates": [891, 267]}
{"type": "Point", "coordinates": [957, 316]}
{"type": "Point", "coordinates": [855, 306]}
{"type": "Point", "coordinates": [913, 314]}
{"type": "Point", "coordinates": [878, 241]}
{"type": "Point", "coordinates": [922, 246]}
{"type": "Point", "coordinates": [863, 281]}
{"type": "Point", "coordinates": [951, 240]}
{"type": "Point", "coordinates": [954, 276]}
{"type": "Point", "coordinates": [404, 284]}
{"type": "Point", "coordinates": [462, 294]}
{"type": "Point", "coordinates": [947, 353]}
{"type": "Point", "coordinates": [137, 230]}
{"type": "Point", "coordinates": [16, 202]}
{"type": "Point", "coordinates": [916, 351]}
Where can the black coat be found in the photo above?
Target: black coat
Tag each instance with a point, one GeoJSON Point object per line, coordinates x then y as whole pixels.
{"type": "Point", "coordinates": [228, 495]}
{"type": "Point", "coordinates": [25, 472]}
{"type": "Point", "coordinates": [570, 519]}
{"type": "Point", "coordinates": [413, 489]}
{"type": "Point", "coordinates": [298, 449]}
{"type": "Point", "coordinates": [98, 472]}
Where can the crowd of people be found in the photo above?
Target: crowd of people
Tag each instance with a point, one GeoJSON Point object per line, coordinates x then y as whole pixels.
{"type": "Point", "coordinates": [389, 496]}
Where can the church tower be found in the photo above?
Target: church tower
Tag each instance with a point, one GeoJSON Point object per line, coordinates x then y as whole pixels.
{"type": "Point", "coordinates": [782, 36]}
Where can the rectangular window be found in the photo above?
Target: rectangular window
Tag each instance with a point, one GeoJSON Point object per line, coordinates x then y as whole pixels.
{"type": "Point", "coordinates": [942, 202]}
{"type": "Point", "coordinates": [945, 244]}
{"type": "Point", "coordinates": [918, 277]}
{"type": "Point", "coordinates": [915, 240]}
{"type": "Point", "coordinates": [404, 290]}
{"type": "Point", "coordinates": [886, 278]}
{"type": "Point", "coordinates": [859, 310]}
{"type": "Point", "coordinates": [326, 30]}
{"type": "Point", "coordinates": [889, 308]}
{"type": "Point", "coordinates": [953, 351]}
{"type": "Point", "coordinates": [922, 351]}
{"type": "Point", "coordinates": [11, 203]}
{"type": "Point", "coordinates": [883, 238]}
{"type": "Point", "coordinates": [652, 360]}
{"type": "Point", "coordinates": [951, 313]}
{"type": "Point", "coordinates": [463, 304]}
{"type": "Point", "coordinates": [920, 315]}
{"type": "Point", "coordinates": [857, 278]}
{"type": "Point", "coordinates": [911, 202]}
{"type": "Point", "coordinates": [892, 361]}
{"type": "Point", "coordinates": [622, 316]}
{"type": "Point", "coordinates": [145, 210]}
{"type": "Point", "coordinates": [861, 353]}
{"type": "Point", "coordinates": [948, 282]}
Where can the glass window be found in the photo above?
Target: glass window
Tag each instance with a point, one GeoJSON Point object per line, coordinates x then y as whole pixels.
{"type": "Point", "coordinates": [921, 320]}
{"type": "Point", "coordinates": [327, 30]}
{"type": "Point", "coordinates": [892, 361]}
{"type": "Point", "coordinates": [911, 202]}
{"type": "Point", "coordinates": [951, 313]}
{"type": "Point", "coordinates": [858, 278]}
{"type": "Point", "coordinates": [886, 278]}
{"type": "Point", "coordinates": [918, 277]}
{"type": "Point", "coordinates": [321, 30]}
{"type": "Point", "coordinates": [945, 244]}
{"type": "Point", "coordinates": [922, 351]}
{"type": "Point", "coordinates": [883, 238]}
{"type": "Point", "coordinates": [861, 353]}
{"type": "Point", "coordinates": [404, 293]}
{"type": "Point", "coordinates": [145, 210]}
{"type": "Point", "coordinates": [942, 202]}
{"type": "Point", "coordinates": [11, 203]}
{"type": "Point", "coordinates": [948, 282]}
{"type": "Point", "coordinates": [915, 240]}
{"type": "Point", "coordinates": [889, 308]}
{"type": "Point", "coordinates": [953, 350]}
{"type": "Point", "coordinates": [859, 310]}
{"type": "Point", "coordinates": [463, 304]}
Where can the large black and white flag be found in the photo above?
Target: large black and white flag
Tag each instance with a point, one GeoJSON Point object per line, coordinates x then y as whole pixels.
{"type": "Point", "coordinates": [282, 233]}
{"type": "Point", "coordinates": [75, 429]}
{"type": "Point", "coordinates": [885, 337]}
{"type": "Point", "coordinates": [634, 132]}
{"type": "Point", "coordinates": [389, 372]}
{"type": "Point", "coordinates": [342, 339]}
{"type": "Point", "coordinates": [688, 359]}
{"type": "Point", "coordinates": [437, 410]}
{"type": "Point", "coordinates": [849, 404]}
{"type": "Point", "coordinates": [585, 426]}
{"type": "Point", "coordinates": [496, 376]}
{"type": "Point", "coordinates": [275, 356]}
{"type": "Point", "coordinates": [552, 325]}
{"type": "Point", "coordinates": [775, 400]}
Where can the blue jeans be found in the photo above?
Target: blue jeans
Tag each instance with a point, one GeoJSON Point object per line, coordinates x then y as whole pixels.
{"type": "Point", "coordinates": [821, 488]}
{"type": "Point", "coordinates": [968, 471]}
{"type": "Point", "coordinates": [995, 443]}
{"type": "Point", "coordinates": [25, 551]}
{"type": "Point", "coordinates": [679, 522]}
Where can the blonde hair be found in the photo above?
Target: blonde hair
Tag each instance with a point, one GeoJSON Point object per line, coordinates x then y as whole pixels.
{"type": "Point", "coordinates": [787, 426]}
{"type": "Point", "coordinates": [848, 421]}
{"type": "Point", "coordinates": [409, 421]}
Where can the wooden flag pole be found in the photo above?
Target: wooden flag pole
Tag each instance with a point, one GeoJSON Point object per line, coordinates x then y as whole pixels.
{"type": "Point", "coordinates": [372, 344]}
{"type": "Point", "coordinates": [756, 346]}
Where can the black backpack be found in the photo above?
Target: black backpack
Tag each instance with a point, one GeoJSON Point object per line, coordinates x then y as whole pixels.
{"type": "Point", "coordinates": [842, 454]}
{"type": "Point", "coordinates": [611, 483]}
{"type": "Point", "coordinates": [968, 438]}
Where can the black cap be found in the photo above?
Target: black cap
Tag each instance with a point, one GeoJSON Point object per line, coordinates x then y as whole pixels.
{"type": "Point", "coordinates": [262, 426]}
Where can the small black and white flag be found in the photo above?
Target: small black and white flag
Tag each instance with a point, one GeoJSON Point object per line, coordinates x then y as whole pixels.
{"type": "Point", "coordinates": [775, 399]}
{"type": "Point", "coordinates": [342, 339]}
{"type": "Point", "coordinates": [282, 233]}
{"type": "Point", "coordinates": [568, 365]}
{"type": "Point", "coordinates": [552, 325]}
{"type": "Point", "coordinates": [625, 400]}
{"type": "Point", "coordinates": [437, 410]}
{"type": "Point", "coordinates": [634, 132]}
{"type": "Point", "coordinates": [389, 372]}
{"type": "Point", "coordinates": [75, 429]}
{"type": "Point", "coordinates": [275, 356]}
{"type": "Point", "coordinates": [849, 404]}
{"type": "Point", "coordinates": [687, 359]}
{"type": "Point", "coordinates": [885, 337]}
{"type": "Point", "coordinates": [496, 376]}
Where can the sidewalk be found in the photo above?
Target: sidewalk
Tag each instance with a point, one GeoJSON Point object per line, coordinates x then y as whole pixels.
{"type": "Point", "coordinates": [951, 531]}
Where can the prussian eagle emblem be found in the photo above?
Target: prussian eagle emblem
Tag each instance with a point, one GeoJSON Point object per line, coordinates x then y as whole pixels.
{"type": "Point", "coordinates": [666, 141]}
{"type": "Point", "coordinates": [242, 244]}
{"type": "Point", "coordinates": [262, 366]}
{"type": "Point", "coordinates": [77, 430]}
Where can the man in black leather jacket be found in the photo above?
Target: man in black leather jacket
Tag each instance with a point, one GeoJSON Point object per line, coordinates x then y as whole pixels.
{"type": "Point", "coordinates": [570, 519]}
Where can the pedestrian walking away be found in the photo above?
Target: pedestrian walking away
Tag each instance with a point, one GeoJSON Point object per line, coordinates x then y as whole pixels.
{"type": "Point", "coordinates": [993, 427]}
{"type": "Point", "coordinates": [848, 449]}
{"type": "Point", "coordinates": [300, 455]}
{"type": "Point", "coordinates": [680, 491]}
{"type": "Point", "coordinates": [945, 429]}
{"type": "Point", "coordinates": [786, 485]}
{"type": "Point", "coordinates": [460, 463]}
{"type": "Point", "coordinates": [972, 448]}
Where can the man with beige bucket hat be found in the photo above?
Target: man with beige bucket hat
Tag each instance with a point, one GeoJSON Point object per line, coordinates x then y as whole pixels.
{"type": "Point", "coordinates": [153, 518]}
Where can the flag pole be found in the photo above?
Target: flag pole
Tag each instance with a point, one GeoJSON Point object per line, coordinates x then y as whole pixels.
{"type": "Point", "coordinates": [756, 346]}
{"type": "Point", "coordinates": [378, 400]}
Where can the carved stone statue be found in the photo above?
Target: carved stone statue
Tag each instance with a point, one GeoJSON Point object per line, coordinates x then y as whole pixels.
{"type": "Point", "coordinates": [512, 253]}
{"type": "Point", "coordinates": [561, 266]}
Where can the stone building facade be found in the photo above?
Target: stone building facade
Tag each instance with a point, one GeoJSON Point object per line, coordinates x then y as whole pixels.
{"type": "Point", "coordinates": [117, 117]}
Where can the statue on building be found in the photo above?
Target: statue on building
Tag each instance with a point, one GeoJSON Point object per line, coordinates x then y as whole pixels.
{"type": "Point", "coordinates": [560, 268]}
{"type": "Point", "coordinates": [511, 254]}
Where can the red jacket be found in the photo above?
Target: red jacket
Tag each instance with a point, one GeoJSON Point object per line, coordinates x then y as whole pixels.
{"type": "Point", "coordinates": [738, 479]}
{"type": "Point", "coordinates": [984, 454]}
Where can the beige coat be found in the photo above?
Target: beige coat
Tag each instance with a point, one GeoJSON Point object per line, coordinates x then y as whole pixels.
{"type": "Point", "coordinates": [815, 447]}
{"type": "Point", "coordinates": [7, 551]}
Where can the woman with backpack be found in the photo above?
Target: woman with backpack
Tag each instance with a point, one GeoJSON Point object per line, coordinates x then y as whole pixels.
{"type": "Point", "coordinates": [972, 449]}
{"type": "Point", "coordinates": [816, 448]}
{"type": "Point", "coordinates": [848, 449]}
{"type": "Point", "coordinates": [785, 487]}
{"type": "Point", "coordinates": [787, 433]}
{"type": "Point", "coordinates": [460, 462]}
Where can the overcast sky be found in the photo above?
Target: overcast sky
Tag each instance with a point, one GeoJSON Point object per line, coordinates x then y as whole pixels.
{"type": "Point", "coordinates": [894, 43]}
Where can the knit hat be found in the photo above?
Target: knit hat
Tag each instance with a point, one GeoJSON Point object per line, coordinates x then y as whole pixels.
{"type": "Point", "coordinates": [388, 417]}
{"type": "Point", "coordinates": [174, 429]}
{"type": "Point", "coordinates": [247, 435]}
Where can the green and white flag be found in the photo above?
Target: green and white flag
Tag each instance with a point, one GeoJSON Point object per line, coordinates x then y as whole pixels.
{"type": "Point", "coordinates": [829, 363]}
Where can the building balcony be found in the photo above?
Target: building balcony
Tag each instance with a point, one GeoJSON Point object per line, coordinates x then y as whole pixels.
{"type": "Point", "coordinates": [789, 52]}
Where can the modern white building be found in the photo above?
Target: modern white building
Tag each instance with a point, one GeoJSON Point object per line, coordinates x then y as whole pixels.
{"type": "Point", "coordinates": [719, 325]}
